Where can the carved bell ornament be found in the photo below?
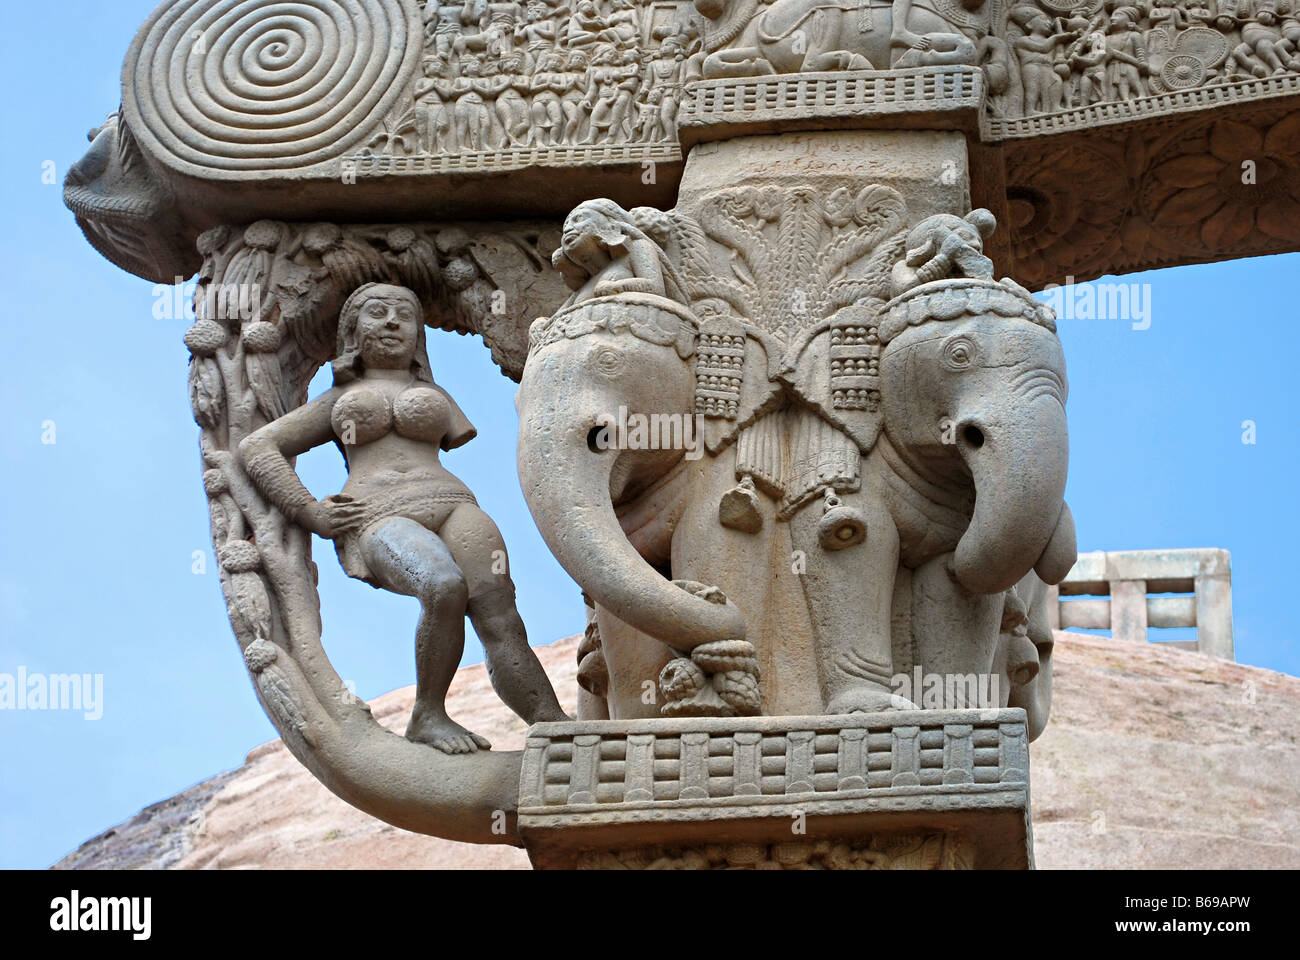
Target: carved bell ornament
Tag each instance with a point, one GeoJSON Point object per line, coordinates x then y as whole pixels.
{"type": "Point", "coordinates": [739, 509]}
{"type": "Point", "coordinates": [840, 527]}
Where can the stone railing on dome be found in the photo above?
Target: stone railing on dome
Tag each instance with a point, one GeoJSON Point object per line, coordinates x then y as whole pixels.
{"type": "Point", "coordinates": [1134, 583]}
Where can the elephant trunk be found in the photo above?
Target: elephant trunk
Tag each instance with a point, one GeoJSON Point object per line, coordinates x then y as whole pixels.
{"type": "Point", "coordinates": [1020, 521]}
{"type": "Point", "coordinates": [566, 481]}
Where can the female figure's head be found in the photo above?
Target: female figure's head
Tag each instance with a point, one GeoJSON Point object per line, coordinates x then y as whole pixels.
{"type": "Point", "coordinates": [381, 326]}
{"type": "Point", "coordinates": [594, 231]}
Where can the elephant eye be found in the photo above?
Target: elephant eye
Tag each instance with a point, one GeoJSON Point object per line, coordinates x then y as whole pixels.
{"type": "Point", "coordinates": [609, 363]}
{"type": "Point", "coordinates": [959, 353]}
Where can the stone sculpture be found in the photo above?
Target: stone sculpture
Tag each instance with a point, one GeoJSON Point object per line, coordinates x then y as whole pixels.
{"type": "Point", "coordinates": [784, 415]}
{"type": "Point", "coordinates": [449, 88]}
{"type": "Point", "coordinates": [403, 522]}
{"type": "Point", "coordinates": [866, 472]}
{"type": "Point", "coordinates": [790, 36]}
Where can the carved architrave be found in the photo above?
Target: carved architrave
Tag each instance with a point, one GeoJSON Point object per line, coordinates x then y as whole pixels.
{"type": "Point", "coordinates": [1168, 194]}
{"type": "Point", "coordinates": [508, 85]}
{"type": "Point", "coordinates": [942, 98]}
{"type": "Point", "coordinates": [933, 851]}
{"type": "Point", "coordinates": [386, 109]}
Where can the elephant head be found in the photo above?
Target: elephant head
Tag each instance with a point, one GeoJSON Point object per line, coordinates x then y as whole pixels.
{"type": "Point", "coordinates": [592, 370]}
{"type": "Point", "coordinates": [125, 213]}
{"type": "Point", "coordinates": [974, 390]}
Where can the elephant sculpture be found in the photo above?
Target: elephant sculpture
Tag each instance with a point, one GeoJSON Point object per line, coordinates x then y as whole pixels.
{"type": "Point", "coordinates": [792, 36]}
{"type": "Point", "coordinates": [994, 383]}
{"type": "Point", "coordinates": [917, 522]}
{"type": "Point", "coordinates": [620, 343]}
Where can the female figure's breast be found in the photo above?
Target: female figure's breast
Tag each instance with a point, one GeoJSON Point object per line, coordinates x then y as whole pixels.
{"type": "Point", "coordinates": [361, 416]}
{"type": "Point", "coordinates": [421, 413]}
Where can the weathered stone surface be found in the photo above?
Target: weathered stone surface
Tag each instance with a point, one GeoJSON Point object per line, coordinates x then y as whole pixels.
{"type": "Point", "coordinates": [689, 791]}
{"type": "Point", "coordinates": [866, 482]}
{"type": "Point", "coordinates": [1168, 759]}
{"type": "Point", "coordinates": [1131, 724]}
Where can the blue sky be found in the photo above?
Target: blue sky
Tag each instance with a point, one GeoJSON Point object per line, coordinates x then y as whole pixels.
{"type": "Point", "coordinates": [98, 529]}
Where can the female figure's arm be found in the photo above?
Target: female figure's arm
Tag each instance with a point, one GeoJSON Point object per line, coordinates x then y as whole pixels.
{"type": "Point", "coordinates": [265, 452]}
{"type": "Point", "coordinates": [640, 269]}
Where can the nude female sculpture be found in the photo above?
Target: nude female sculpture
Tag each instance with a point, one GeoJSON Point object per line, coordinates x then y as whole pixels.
{"type": "Point", "coordinates": [403, 521]}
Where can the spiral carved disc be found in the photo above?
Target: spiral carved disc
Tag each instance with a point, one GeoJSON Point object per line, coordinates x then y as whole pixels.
{"type": "Point", "coordinates": [244, 85]}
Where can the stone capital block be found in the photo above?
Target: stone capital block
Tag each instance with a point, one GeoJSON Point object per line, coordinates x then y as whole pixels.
{"type": "Point", "coordinates": [935, 788]}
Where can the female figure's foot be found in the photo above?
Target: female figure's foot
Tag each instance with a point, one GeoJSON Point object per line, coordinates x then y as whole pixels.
{"type": "Point", "coordinates": [442, 733]}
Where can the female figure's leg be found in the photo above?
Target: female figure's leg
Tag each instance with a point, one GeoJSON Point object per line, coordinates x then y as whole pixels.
{"type": "Point", "coordinates": [516, 673]}
{"type": "Point", "coordinates": [406, 558]}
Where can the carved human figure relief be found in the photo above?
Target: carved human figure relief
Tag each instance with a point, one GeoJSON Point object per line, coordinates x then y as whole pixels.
{"type": "Point", "coordinates": [403, 522]}
{"type": "Point", "coordinates": [603, 252]}
{"type": "Point", "coordinates": [944, 246]}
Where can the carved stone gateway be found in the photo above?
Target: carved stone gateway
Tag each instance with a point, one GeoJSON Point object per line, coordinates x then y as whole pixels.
{"type": "Point", "coordinates": [789, 415]}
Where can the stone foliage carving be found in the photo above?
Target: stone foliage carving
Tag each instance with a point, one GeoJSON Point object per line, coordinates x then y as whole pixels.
{"type": "Point", "coordinates": [1165, 195]}
{"type": "Point", "coordinates": [472, 278]}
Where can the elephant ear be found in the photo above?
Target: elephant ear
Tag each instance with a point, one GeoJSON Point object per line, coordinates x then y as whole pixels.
{"type": "Point", "coordinates": [835, 369]}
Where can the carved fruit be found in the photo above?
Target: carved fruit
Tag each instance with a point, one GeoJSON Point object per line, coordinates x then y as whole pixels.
{"type": "Point", "coordinates": [212, 240]}
{"type": "Point", "coordinates": [459, 274]}
{"type": "Point", "coordinates": [263, 234]}
{"type": "Point", "coordinates": [205, 338]}
{"type": "Point", "coordinates": [260, 654]}
{"type": "Point", "coordinates": [215, 482]}
{"type": "Point", "coordinates": [240, 556]}
{"type": "Point", "coordinates": [261, 337]}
